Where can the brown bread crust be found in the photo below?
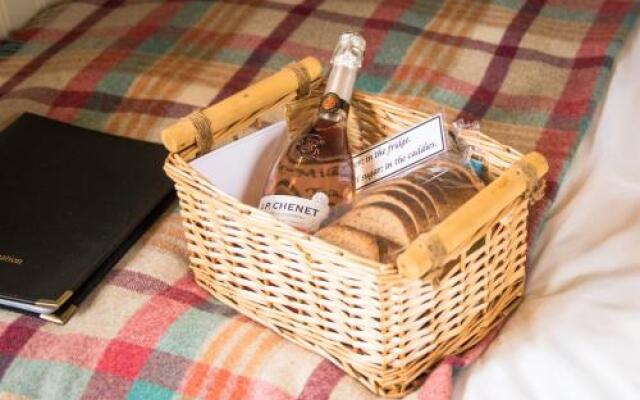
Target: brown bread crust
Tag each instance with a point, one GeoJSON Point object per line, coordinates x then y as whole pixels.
{"type": "Point", "coordinates": [360, 243]}
{"type": "Point", "coordinates": [371, 218]}
{"type": "Point", "coordinates": [398, 197]}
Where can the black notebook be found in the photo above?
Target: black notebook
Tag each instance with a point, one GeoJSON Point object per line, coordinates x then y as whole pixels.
{"type": "Point", "coordinates": [72, 201]}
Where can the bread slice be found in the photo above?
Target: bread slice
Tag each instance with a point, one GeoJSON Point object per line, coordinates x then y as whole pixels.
{"type": "Point", "coordinates": [458, 189]}
{"type": "Point", "coordinates": [445, 200]}
{"type": "Point", "coordinates": [427, 183]}
{"type": "Point", "coordinates": [417, 193]}
{"type": "Point", "coordinates": [382, 219]}
{"type": "Point", "coordinates": [396, 196]}
{"type": "Point", "coordinates": [353, 240]}
{"type": "Point", "coordinates": [424, 198]}
{"type": "Point", "coordinates": [451, 171]}
{"type": "Point", "coordinates": [451, 190]}
{"type": "Point", "coordinates": [432, 203]}
{"type": "Point", "coordinates": [459, 169]}
{"type": "Point", "coordinates": [388, 251]}
{"type": "Point", "coordinates": [360, 243]}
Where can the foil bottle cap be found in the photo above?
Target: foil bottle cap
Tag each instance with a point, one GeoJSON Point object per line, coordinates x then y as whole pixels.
{"type": "Point", "coordinates": [349, 51]}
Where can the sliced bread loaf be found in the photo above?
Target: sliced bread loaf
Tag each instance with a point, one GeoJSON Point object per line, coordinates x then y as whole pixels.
{"type": "Point", "coordinates": [382, 219]}
{"type": "Point", "coordinates": [458, 169]}
{"type": "Point", "coordinates": [457, 189]}
{"type": "Point", "coordinates": [353, 240]}
{"type": "Point", "coordinates": [424, 197]}
{"type": "Point", "coordinates": [432, 184]}
{"type": "Point", "coordinates": [396, 196]}
{"type": "Point", "coordinates": [417, 193]}
{"type": "Point", "coordinates": [388, 251]}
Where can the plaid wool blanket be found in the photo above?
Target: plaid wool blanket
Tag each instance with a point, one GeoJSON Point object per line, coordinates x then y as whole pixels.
{"type": "Point", "coordinates": [532, 72]}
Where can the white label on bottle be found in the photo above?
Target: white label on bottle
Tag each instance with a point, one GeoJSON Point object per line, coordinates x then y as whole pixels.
{"type": "Point", "coordinates": [400, 152]}
{"type": "Point", "coordinates": [301, 213]}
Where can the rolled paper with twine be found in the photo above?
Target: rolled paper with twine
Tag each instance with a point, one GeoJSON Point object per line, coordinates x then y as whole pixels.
{"type": "Point", "coordinates": [425, 256]}
{"type": "Point", "coordinates": [198, 128]}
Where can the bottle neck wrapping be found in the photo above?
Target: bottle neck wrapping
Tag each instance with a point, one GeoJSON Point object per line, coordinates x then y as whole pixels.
{"type": "Point", "coordinates": [341, 81]}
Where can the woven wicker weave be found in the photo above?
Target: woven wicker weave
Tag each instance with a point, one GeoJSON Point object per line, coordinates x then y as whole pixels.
{"type": "Point", "coordinates": [385, 330]}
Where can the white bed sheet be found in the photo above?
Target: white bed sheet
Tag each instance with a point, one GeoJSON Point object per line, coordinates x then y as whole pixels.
{"type": "Point", "coordinates": [577, 334]}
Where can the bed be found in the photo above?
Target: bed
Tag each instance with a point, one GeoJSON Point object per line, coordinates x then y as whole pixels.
{"type": "Point", "coordinates": [575, 335]}
{"type": "Point", "coordinates": [133, 67]}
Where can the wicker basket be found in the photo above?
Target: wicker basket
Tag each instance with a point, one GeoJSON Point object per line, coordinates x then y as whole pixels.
{"type": "Point", "coordinates": [382, 328]}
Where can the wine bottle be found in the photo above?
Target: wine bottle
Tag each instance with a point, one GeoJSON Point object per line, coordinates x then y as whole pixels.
{"type": "Point", "coordinates": [312, 183]}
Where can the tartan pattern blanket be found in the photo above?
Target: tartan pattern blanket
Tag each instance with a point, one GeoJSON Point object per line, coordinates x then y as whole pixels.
{"type": "Point", "coordinates": [531, 71]}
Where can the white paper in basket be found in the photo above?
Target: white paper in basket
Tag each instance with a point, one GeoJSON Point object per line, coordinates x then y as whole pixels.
{"type": "Point", "coordinates": [241, 168]}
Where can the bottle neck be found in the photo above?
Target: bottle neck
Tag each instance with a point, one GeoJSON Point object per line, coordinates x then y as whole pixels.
{"type": "Point", "coordinates": [341, 81]}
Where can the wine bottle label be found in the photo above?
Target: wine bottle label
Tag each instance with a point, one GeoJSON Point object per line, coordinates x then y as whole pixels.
{"type": "Point", "coordinates": [304, 214]}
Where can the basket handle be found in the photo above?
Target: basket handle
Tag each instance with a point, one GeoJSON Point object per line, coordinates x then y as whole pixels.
{"type": "Point", "coordinates": [197, 127]}
{"type": "Point", "coordinates": [425, 254]}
